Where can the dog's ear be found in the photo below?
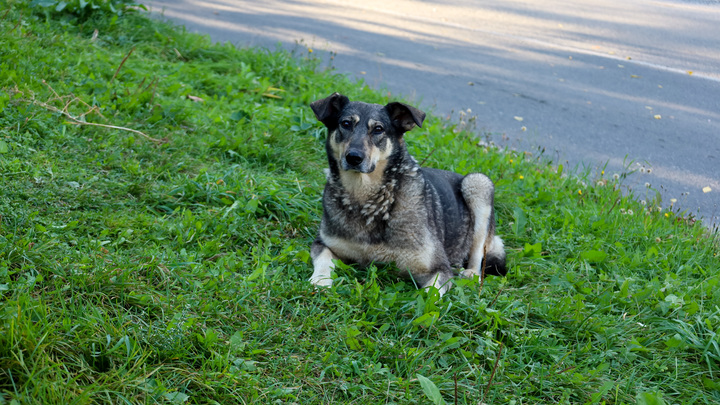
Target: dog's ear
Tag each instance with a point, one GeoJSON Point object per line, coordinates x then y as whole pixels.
{"type": "Point", "coordinates": [404, 116]}
{"type": "Point", "coordinates": [328, 109]}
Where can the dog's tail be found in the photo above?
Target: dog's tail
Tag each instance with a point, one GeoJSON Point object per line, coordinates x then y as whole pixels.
{"type": "Point", "coordinates": [495, 258]}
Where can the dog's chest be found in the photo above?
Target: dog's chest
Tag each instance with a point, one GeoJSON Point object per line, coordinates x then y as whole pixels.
{"type": "Point", "coordinates": [368, 213]}
{"type": "Point", "coordinates": [390, 226]}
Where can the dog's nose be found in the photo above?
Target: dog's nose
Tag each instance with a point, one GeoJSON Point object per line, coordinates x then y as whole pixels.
{"type": "Point", "coordinates": [354, 157]}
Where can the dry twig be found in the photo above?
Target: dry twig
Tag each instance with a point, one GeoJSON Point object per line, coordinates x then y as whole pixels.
{"type": "Point", "coordinates": [455, 379]}
{"type": "Point", "coordinates": [496, 297]}
{"type": "Point", "coordinates": [78, 120]}
{"type": "Point", "coordinates": [121, 64]}
{"type": "Point", "coordinates": [482, 270]}
{"type": "Point", "coordinates": [428, 156]}
{"type": "Point", "coordinates": [492, 375]}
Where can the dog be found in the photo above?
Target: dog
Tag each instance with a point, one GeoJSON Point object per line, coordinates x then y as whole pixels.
{"type": "Point", "coordinates": [380, 206]}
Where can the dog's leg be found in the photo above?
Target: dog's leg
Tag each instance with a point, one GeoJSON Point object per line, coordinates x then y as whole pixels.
{"type": "Point", "coordinates": [322, 258]}
{"type": "Point", "coordinates": [479, 192]}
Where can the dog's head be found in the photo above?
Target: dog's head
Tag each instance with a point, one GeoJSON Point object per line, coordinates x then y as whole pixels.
{"type": "Point", "coordinates": [361, 135]}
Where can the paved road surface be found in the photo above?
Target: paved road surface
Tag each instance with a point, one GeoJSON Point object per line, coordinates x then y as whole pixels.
{"type": "Point", "coordinates": [592, 82]}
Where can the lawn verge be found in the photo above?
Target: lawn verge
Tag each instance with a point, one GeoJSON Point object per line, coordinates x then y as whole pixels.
{"type": "Point", "coordinates": [158, 195]}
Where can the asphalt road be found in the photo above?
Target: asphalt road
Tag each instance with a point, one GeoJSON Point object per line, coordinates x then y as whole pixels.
{"type": "Point", "coordinates": [613, 82]}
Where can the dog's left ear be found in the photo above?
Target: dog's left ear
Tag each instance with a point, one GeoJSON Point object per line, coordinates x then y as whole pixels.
{"type": "Point", "coordinates": [404, 116]}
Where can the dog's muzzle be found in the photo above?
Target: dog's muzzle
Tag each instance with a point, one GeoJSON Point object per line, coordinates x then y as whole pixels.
{"type": "Point", "coordinates": [356, 160]}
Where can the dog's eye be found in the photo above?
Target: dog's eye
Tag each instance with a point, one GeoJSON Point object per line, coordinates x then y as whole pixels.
{"type": "Point", "coordinates": [346, 124]}
{"type": "Point", "coordinates": [378, 130]}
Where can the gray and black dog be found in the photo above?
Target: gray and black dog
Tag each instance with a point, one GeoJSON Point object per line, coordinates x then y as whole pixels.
{"type": "Point", "coordinates": [380, 206]}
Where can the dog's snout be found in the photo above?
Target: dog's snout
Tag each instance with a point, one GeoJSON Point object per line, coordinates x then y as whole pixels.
{"type": "Point", "coordinates": [354, 157]}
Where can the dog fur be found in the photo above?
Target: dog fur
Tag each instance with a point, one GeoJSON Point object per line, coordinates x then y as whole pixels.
{"type": "Point", "coordinates": [380, 206]}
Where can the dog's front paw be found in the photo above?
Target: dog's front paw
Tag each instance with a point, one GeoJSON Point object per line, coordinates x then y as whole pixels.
{"type": "Point", "coordinates": [441, 289]}
{"type": "Point", "coordinates": [469, 273]}
{"type": "Point", "coordinates": [440, 281]}
{"type": "Point", "coordinates": [321, 280]}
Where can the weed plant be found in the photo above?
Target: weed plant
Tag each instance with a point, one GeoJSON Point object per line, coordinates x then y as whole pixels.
{"type": "Point", "coordinates": [158, 195]}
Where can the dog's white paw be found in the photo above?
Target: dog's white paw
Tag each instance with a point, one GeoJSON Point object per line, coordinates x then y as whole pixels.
{"type": "Point", "coordinates": [469, 273]}
{"type": "Point", "coordinates": [439, 281]}
{"type": "Point", "coordinates": [321, 281]}
{"type": "Point", "coordinates": [441, 290]}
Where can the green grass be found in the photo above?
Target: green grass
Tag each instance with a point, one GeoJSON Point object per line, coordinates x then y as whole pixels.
{"type": "Point", "coordinates": [134, 271]}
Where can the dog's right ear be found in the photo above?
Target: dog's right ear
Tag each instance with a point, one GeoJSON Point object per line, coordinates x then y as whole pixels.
{"type": "Point", "coordinates": [328, 109]}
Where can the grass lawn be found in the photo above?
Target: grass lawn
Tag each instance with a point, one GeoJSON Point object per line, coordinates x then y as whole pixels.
{"type": "Point", "coordinates": [158, 196]}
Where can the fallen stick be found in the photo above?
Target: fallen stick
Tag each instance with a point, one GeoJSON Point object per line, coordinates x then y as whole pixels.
{"type": "Point", "coordinates": [78, 121]}
{"type": "Point", "coordinates": [149, 138]}
{"type": "Point", "coordinates": [121, 64]}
